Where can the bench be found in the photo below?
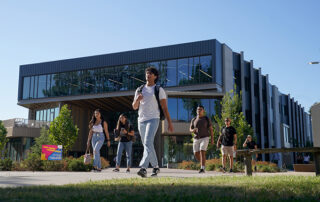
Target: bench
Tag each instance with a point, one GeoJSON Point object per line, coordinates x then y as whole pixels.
{"type": "Point", "coordinates": [304, 167]}
{"type": "Point", "coordinates": [248, 152]}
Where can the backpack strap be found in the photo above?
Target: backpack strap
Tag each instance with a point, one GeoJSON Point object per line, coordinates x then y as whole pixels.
{"type": "Point", "coordinates": [192, 121]}
{"type": "Point", "coordinates": [156, 92]}
{"type": "Point", "coordinates": [139, 89]}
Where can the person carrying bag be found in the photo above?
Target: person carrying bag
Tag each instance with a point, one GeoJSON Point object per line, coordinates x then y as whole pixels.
{"type": "Point", "coordinates": [124, 133]}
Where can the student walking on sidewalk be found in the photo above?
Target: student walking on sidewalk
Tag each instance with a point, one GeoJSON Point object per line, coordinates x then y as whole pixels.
{"type": "Point", "coordinates": [125, 135]}
{"type": "Point", "coordinates": [228, 139]}
{"type": "Point", "coordinates": [201, 126]}
{"type": "Point", "coordinates": [98, 129]}
{"type": "Point", "coordinates": [151, 100]}
{"type": "Point", "coordinates": [251, 144]}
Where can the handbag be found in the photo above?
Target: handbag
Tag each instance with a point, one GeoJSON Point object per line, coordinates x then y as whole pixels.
{"type": "Point", "coordinates": [116, 135]}
{"type": "Point", "coordinates": [87, 158]}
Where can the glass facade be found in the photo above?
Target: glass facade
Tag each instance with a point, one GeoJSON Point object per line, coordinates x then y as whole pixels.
{"type": "Point", "coordinates": [47, 114]}
{"type": "Point", "coordinates": [184, 109]}
{"type": "Point", "coordinates": [179, 72]}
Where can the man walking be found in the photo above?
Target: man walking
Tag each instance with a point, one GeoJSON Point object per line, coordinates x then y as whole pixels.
{"type": "Point", "coordinates": [228, 140]}
{"type": "Point", "coordinates": [151, 100]}
{"type": "Point", "coordinates": [251, 144]}
{"type": "Point", "coordinates": [202, 128]}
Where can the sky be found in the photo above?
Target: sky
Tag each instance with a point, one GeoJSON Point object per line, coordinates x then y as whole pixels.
{"type": "Point", "coordinates": [281, 37]}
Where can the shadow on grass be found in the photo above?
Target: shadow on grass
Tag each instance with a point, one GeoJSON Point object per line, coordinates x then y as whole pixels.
{"type": "Point", "coordinates": [170, 189]}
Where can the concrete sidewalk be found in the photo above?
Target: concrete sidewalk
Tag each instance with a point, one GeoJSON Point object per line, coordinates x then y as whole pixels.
{"type": "Point", "coordinates": [27, 178]}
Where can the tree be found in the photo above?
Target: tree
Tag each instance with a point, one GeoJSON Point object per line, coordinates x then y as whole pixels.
{"type": "Point", "coordinates": [312, 106]}
{"type": "Point", "coordinates": [42, 140]}
{"type": "Point", "coordinates": [231, 105]}
{"type": "Point", "coordinates": [62, 130]}
{"type": "Point", "coordinates": [3, 137]}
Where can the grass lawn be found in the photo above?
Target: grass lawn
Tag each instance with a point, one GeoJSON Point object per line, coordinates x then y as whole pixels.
{"type": "Point", "coordinates": [222, 188]}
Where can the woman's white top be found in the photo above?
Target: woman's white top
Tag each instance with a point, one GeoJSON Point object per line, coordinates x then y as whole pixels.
{"type": "Point", "coordinates": [149, 108]}
{"type": "Point", "coordinates": [97, 128]}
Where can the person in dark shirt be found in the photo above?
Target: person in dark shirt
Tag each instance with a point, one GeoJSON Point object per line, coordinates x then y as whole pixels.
{"type": "Point", "coordinates": [250, 144]}
{"type": "Point", "coordinates": [228, 140]}
{"type": "Point", "coordinates": [125, 134]}
{"type": "Point", "coordinates": [202, 128]}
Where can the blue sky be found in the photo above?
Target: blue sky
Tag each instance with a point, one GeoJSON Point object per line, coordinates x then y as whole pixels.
{"type": "Point", "coordinates": [281, 37]}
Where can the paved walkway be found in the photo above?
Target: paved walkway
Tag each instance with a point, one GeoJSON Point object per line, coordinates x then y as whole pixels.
{"type": "Point", "coordinates": [27, 178]}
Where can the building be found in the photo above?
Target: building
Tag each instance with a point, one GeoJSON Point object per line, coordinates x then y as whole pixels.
{"type": "Point", "coordinates": [315, 114]}
{"type": "Point", "coordinates": [21, 133]}
{"type": "Point", "coordinates": [191, 73]}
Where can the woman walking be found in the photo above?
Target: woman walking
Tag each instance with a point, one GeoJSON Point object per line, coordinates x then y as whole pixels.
{"type": "Point", "coordinates": [125, 135]}
{"type": "Point", "coordinates": [98, 127]}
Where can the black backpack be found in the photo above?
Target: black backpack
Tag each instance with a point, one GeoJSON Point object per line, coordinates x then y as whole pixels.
{"type": "Point", "coordinates": [156, 92]}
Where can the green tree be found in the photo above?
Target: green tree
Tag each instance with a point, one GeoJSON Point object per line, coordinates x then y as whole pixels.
{"type": "Point", "coordinates": [231, 105]}
{"type": "Point", "coordinates": [42, 140]}
{"type": "Point", "coordinates": [3, 137]}
{"type": "Point", "coordinates": [62, 130]}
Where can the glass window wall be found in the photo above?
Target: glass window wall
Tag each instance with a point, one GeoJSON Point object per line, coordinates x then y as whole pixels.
{"type": "Point", "coordinates": [184, 71]}
{"type": "Point", "coordinates": [47, 114]}
{"type": "Point", "coordinates": [184, 109]}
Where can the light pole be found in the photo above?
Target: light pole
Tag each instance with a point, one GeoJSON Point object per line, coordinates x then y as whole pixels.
{"type": "Point", "coordinates": [313, 63]}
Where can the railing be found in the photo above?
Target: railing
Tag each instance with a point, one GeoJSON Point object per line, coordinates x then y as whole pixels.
{"type": "Point", "coordinates": [247, 156]}
{"type": "Point", "coordinates": [19, 122]}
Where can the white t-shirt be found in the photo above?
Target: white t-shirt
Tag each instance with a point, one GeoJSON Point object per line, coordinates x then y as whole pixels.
{"type": "Point", "coordinates": [148, 108]}
{"type": "Point", "coordinates": [97, 128]}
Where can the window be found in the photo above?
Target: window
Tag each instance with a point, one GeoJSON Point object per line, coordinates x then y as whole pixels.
{"type": "Point", "coordinates": [26, 87]}
{"type": "Point", "coordinates": [171, 73]}
{"type": "Point", "coordinates": [48, 94]}
{"type": "Point", "coordinates": [183, 72]}
{"type": "Point", "coordinates": [75, 85]}
{"type": "Point", "coordinates": [107, 79]}
{"type": "Point", "coordinates": [172, 108]}
{"type": "Point", "coordinates": [42, 88]}
{"type": "Point", "coordinates": [123, 78]}
{"type": "Point", "coordinates": [31, 87]}
{"type": "Point", "coordinates": [197, 66]}
{"type": "Point", "coordinates": [55, 84]}
{"type": "Point", "coordinates": [286, 135]}
{"type": "Point", "coordinates": [205, 69]}
{"type": "Point", "coordinates": [182, 110]}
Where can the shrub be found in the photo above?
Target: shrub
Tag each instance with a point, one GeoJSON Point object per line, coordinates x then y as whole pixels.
{"type": "Point", "coordinates": [238, 166]}
{"type": "Point", "coordinates": [33, 162]}
{"type": "Point", "coordinates": [189, 165]}
{"type": "Point", "coordinates": [17, 166]}
{"type": "Point", "coordinates": [6, 164]}
{"type": "Point", "coordinates": [263, 166]}
{"type": "Point", "coordinates": [78, 165]}
{"type": "Point", "coordinates": [210, 167]}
